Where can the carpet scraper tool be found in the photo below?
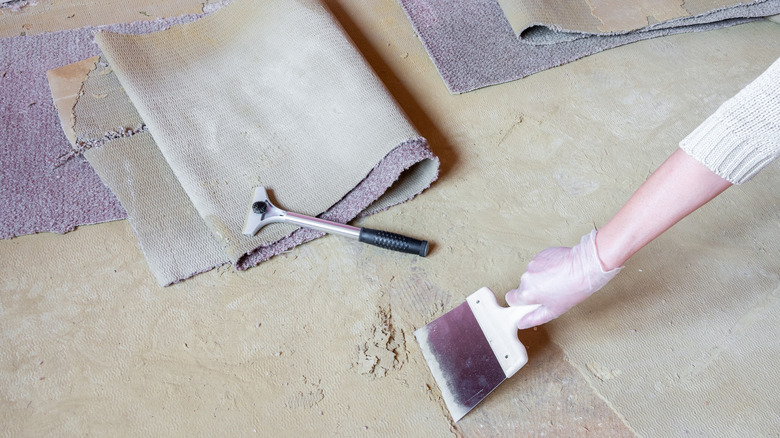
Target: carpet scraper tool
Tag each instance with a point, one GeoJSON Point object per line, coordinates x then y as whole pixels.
{"type": "Point", "coordinates": [473, 348]}
{"type": "Point", "coordinates": [262, 212]}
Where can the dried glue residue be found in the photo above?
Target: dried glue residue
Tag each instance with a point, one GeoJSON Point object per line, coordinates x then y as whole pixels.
{"type": "Point", "coordinates": [209, 8]}
{"type": "Point", "coordinates": [574, 184]}
{"type": "Point", "coordinates": [603, 373]}
{"type": "Point", "coordinates": [385, 349]}
{"type": "Point", "coordinates": [306, 398]}
{"type": "Point", "coordinates": [222, 233]}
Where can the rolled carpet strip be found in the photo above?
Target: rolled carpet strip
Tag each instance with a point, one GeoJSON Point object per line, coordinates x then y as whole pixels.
{"type": "Point", "coordinates": [183, 124]}
{"type": "Point", "coordinates": [473, 45]}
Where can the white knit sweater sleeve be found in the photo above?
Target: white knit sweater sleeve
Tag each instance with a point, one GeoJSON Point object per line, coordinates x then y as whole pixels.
{"type": "Point", "coordinates": [743, 135]}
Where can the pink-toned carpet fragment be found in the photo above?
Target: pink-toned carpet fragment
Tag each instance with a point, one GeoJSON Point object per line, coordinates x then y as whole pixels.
{"type": "Point", "coordinates": [473, 45]}
{"type": "Point", "coordinates": [39, 193]}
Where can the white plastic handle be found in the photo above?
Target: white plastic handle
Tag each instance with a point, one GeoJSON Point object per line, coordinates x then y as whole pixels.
{"type": "Point", "coordinates": [499, 325]}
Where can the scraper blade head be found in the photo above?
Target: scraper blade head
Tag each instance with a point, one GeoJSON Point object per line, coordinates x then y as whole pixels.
{"type": "Point", "coordinates": [461, 359]}
{"type": "Point", "coordinates": [254, 219]}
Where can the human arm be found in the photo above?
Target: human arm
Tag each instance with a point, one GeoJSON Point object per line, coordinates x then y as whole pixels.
{"type": "Point", "coordinates": [730, 147]}
{"type": "Point", "coordinates": [677, 188]}
{"type": "Point", "coordinates": [560, 278]}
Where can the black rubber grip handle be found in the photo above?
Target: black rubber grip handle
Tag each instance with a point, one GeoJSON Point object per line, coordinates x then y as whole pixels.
{"type": "Point", "coordinates": [396, 242]}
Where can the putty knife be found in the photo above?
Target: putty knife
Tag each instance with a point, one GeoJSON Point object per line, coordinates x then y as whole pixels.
{"type": "Point", "coordinates": [473, 348]}
{"type": "Point", "coordinates": [262, 212]}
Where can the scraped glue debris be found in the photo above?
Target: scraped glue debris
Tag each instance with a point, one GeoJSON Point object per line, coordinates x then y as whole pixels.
{"type": "Point", "coordinates": [385, 350]}
{"type": "Point", "coordinates": [601, 372]}
{"type": "Point", "coordinates": [307, 398]}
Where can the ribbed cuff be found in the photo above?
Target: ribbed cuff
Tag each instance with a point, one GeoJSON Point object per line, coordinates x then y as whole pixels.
{"type": "Point", "coordinates": [731, 156]}
{"type": "Point", "coordinates": [743, 135]}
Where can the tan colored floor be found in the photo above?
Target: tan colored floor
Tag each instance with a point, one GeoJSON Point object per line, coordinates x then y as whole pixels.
{"type": "Point", "coordinates": [319, 341]}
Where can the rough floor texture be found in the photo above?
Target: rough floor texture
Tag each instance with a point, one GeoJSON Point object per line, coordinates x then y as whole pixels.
{"type": "Point", "coordinates": [91, 344]}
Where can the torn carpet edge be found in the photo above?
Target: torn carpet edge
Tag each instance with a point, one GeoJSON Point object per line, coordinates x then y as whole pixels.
{"type": "Point", "coordinates": [414, 152]}
{"type": "Point", "coordinates": [361, 146]}
{"type": "Point", "coordinates": [15, 5]}
{"type": "Point", "coordinates": [103, 134]}
{"type": "Point", "coordinates": [473, 45]}
{"type": "Point", "coordinates": [39, 192]}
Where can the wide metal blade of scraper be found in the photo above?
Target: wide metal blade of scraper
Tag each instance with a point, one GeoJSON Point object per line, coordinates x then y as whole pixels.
{"type": "Point", "coordinates": [472, 349]}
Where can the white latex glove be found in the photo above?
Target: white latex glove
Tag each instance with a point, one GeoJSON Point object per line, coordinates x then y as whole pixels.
{"type": "Point", "coordinates": [558, 279]}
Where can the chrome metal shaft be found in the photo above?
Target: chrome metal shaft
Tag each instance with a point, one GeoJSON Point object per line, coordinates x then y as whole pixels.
{"type": "Point", "coordinates": [321, 225]}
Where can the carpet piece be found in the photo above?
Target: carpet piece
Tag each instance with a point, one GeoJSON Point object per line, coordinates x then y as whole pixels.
{"type": "Point", "coordinates": [135, 170]}
{"type": "Point", "coordinates": [40, 192]}
{"type": "Point", "coordinates": [540, 22]}
{"type": "Point", "coordinates": [473, 45]}
{"type": "Point", "coordinates": [286, 102]}
{"type": "Point", "coordinates": [132, 166]}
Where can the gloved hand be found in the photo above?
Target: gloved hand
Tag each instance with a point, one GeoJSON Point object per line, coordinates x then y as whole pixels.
{"type": "Point", "coordinates": [559, 278]}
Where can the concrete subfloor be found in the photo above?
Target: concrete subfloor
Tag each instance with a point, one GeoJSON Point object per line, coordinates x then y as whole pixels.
{"type": "Point", "coordinates": [319, 341]}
